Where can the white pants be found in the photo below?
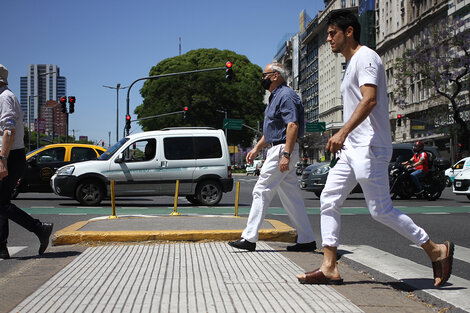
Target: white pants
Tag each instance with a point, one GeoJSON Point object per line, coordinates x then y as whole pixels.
{"type": "Point", "coordinates": [367, 166]}
{"type": "Point", "coordinates": [270, 181]}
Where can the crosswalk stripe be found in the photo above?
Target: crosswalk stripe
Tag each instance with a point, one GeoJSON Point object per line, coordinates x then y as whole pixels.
{"type": "Point", "coordinates": [460, 253]}
{"type": "Point", "coordinates": [14, 250]}
{"type": "Point", "coordinates": [414, 274]}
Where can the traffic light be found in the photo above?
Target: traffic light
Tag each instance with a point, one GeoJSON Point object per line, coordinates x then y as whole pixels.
{"type": "Point", "coordinates": [128, 122]}
{"type": "Point", "coordinates": [102, 143]}
{"type": "Point", "coordinates": [399, 119]}
{"type": "Point", "coordinates": [63, 104]}
{"type": "Point", "coordinates": [228, 71]}
{"type": "Point", "coordinates": [184, 112]}
{"type": "Point", "coordinates": [71, 104]}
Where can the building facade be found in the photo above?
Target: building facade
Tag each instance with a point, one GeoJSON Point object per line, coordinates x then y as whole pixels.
{"type": "Point", "coordinates": [390, 27]}
{"type": "Point", "coordinates": [43, 85]}
{"type": "Point", "coordinates": [402, 25]}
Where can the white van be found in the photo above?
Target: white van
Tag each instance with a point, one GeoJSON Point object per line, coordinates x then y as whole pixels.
{"type": "Point", "coordinates": [149, 163]}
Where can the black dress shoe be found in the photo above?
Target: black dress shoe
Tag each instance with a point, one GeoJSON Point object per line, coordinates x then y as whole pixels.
{"type": "Point", "coordinates": [44, 234]}
{"type": "Point", "coordinates": [243, 244]}
{"type": "Point", "coordinates": [303, 247]}
{"type": "Point", "coordinates": [4, 252]}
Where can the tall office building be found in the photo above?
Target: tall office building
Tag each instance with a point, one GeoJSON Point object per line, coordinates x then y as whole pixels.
{"type": "Point", "coordinates": [42, 84]}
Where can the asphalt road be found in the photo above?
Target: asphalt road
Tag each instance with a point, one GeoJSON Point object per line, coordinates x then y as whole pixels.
{"type": "Point", "coordinates": [445, 219]}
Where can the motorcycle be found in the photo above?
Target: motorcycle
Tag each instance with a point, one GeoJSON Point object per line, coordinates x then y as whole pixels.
{"type": "Point", "coordinates": [403, 187]}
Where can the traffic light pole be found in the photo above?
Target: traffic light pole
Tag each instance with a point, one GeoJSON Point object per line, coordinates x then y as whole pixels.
{"type": "Point", "coordinates": [160, 76]}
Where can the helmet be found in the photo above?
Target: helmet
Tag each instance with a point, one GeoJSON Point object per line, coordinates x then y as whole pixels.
{"type": "Point", "coordinates": [419, 145]}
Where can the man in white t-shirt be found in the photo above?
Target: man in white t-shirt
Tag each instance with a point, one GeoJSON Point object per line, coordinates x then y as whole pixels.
{"type": "Point", "coordinates": [364, 148]}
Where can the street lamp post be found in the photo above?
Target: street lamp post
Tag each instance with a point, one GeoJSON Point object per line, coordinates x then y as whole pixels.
{"type": "Point", "coordinates": [118, 86]}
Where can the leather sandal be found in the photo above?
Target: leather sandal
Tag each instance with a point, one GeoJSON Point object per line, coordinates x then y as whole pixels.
{"type": "Point", "coordinates": [443, 269]}
{"type": "Point", "coordinates": [317, 277]}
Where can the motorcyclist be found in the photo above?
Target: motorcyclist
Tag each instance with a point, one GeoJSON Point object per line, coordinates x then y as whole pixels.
{"type": "Point", "coordinates": [420, 163]}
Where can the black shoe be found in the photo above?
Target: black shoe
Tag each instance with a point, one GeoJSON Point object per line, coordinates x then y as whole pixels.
{"type": "Point", "coordinates": [420, 192]}
{"type": "Point", "coordinates": [44, 234]}
{"type": "Point", "coordinates": [4, 252]}
{"type": "Point", "coordinates": [304, 247]}
{"type": "Point", "coordinates": [243, 244]}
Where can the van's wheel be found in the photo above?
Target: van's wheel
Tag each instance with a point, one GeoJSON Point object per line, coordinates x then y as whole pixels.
{"type": "Point", "coordinates": [209, 192]}
{"type": "Point", "coordinates": [89, 192]}
{"type": "Point", "coordinates": [192, 199]}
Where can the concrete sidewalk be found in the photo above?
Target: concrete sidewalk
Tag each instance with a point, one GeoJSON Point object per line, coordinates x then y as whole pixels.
{"type": "Point", "coordinates": [184, 264]}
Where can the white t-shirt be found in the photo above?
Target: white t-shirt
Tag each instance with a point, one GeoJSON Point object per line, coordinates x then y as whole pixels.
{"type": "Point", "coordinates": [365, 67]}
{"type": "Point", "coordinates": [11, 117]}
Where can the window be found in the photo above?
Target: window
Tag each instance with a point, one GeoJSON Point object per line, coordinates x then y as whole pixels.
{"type": "Point", "coordinates": [178, 148]}
{"type": "Point", "coordinates": [51, 155]}
{"type": "Point", "coordinates": [142, 150]}
{"type": "Point", "coordinates": [185, 148]}
{"type": "Point", "coordinates": [208, 148]}
{"type": "Point", "coordinates": [82, 154]}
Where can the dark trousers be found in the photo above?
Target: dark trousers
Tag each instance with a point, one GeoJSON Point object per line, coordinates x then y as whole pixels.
{"type": "Point", "coordinates": [16, 165]}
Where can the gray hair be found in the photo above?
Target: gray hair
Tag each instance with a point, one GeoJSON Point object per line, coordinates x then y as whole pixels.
{"type": "Point", "coordinates": [278, 67]}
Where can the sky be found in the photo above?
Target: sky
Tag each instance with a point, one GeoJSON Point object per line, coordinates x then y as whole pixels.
{"type": "Point", "coordinates": [106, 42]}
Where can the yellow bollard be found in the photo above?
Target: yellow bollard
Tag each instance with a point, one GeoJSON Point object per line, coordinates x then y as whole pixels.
{"type": "Point", "coordinates": [175, 209]}
{"type": "Point", "coordinates": [237, 195]}
{"type": "Point", "coordinates": [113, 202]}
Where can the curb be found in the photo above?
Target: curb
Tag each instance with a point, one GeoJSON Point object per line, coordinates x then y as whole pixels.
{"type": "Point", "coordinates": [72, 234]}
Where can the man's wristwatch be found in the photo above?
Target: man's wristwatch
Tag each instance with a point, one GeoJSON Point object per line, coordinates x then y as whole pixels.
{"type": "Point", "coordinates": [286, 154]}
{"type": "Point", "coordinates": [3, 158]}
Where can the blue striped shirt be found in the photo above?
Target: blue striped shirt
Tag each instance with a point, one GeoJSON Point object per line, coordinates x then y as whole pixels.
{"type": "Point", "coordinates": [284, 107]}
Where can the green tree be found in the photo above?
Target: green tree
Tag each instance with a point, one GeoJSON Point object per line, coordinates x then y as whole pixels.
{"type": "Point", "coordinates": [205, 93]}
{"type": "Point", "coordinates": [441, 62]}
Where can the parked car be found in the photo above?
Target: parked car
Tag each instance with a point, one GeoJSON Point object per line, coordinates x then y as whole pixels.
{"type": "Point", "coordinates": [149, 164]}
{"type": "Point", "coordinates": [461, 184]}
{"type": "Point", "coordinates": [314, 176]}
{"type": "Point", "coordinates": [453, 171]}
{"type": "Point", "coordinates": [253, 169]}
{"type": "Point", "coordinates": [42, 163]}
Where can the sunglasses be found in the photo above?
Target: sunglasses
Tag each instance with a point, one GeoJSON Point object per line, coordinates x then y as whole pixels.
{"type": "Point", "coordinates": [264, 74]}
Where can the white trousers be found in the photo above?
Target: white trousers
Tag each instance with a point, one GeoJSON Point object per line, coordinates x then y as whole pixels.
{"type": "Point", "coordinates": [270, 181]}
{"type": "Point", "coordinates": [367, 166]}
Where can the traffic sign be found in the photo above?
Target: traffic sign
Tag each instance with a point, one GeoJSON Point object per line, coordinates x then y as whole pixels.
{"type": "Point", "coordinates": [315, 127]}
{"type": "Point", "coordinates": [233, 123]}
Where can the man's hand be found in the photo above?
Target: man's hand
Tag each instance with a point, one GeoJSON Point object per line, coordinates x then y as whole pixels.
{"type": "Point", "coordinates": [284, 164]}
{"type": "Point", "coordinates": [250, 156]}
{"type": "Point", "coordinates": [335, 143]}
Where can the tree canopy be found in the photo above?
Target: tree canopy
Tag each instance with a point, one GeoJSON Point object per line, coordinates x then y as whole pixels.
{"type": "Point", "coordinates": [441, 62]}
{"type": "Point", "coordinates": [206, 94]}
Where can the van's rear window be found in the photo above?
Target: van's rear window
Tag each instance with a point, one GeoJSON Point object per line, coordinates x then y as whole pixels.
{"type": "Point", "coordinates": [184, 148]}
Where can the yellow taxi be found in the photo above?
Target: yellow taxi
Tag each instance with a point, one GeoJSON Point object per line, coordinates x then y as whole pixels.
{"type": "Point", "coordinates": [42, 163]}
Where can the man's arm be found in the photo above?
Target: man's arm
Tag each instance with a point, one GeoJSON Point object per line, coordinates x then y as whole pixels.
{"type": "Point", "coordinates": [363, 109]}
{"type": "Point", "coordinates": [291, 137]}
{"type": "Point", "coordinates": [254, 152]}
{"type": "Point", "coordinates": [8, 138]}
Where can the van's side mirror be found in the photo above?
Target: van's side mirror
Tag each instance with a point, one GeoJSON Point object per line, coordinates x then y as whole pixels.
{"type": "Point", "coordinates": [120, 158]}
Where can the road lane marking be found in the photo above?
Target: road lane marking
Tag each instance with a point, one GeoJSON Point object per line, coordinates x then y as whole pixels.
{"type": "Point", "coordinates": [14, 250]}
{"type": "Point", "coordinates": [413, 274]}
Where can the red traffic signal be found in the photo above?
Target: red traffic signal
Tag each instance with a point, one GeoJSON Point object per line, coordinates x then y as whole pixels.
{"type": "Point", "coordinates": [228, 71]}
{"type": "Point", "coordinates": [399, 116]}
{"type": "Point", "coordinates": [72, 104]}
{"type": "Point", "coordinates": [63, 104]}
{"type": "Point", "coordinates": [128, 122]}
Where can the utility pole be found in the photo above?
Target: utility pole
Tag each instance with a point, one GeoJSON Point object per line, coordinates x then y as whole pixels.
{"type": "Point", "coordinates": [118, 86]}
